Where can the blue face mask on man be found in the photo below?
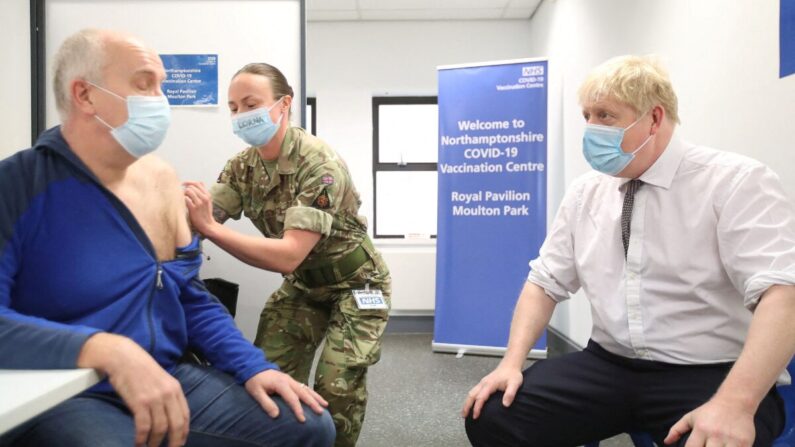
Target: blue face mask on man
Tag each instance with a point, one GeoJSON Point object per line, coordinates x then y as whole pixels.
{"type": "Point", "coordinates": [256, 127]}
{"type": "Point", "coordinates": [601, 146]}
{"type": "Point", "coordinates": [148, 119]}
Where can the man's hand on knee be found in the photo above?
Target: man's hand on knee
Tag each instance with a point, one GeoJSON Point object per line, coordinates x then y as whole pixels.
{"type": "Point", "coordinates": [154, 397]}
{"type": "Point", "coordinates": [272, 381]}
{"type": "Point", "coordinates": [503, 378]}
{"type": "Point", "coordinates": [716, 424]}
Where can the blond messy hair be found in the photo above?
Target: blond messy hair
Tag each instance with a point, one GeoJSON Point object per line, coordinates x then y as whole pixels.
{"type": "Point", "coordinates": [641, 82]}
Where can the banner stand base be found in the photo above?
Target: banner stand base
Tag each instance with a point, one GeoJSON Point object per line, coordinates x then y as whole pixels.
{"type": "Point", "coordinates": [494, 351]}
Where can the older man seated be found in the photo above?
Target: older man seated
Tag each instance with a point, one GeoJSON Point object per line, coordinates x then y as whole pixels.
{"type": "Point", "coordinates": [98, 269]}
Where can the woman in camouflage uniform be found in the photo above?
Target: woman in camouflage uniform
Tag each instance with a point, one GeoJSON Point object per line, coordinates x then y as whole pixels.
{"type": "Point", "coordinates": [297, 191]}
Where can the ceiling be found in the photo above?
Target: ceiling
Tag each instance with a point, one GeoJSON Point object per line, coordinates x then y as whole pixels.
{"type": "Point", "coordinates": [374, 10]}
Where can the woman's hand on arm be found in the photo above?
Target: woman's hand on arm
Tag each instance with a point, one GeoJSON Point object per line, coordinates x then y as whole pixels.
{"type": "Point", "coordinates": [200, 208]}
{"type": "Point", "coordinates": [277, 255]}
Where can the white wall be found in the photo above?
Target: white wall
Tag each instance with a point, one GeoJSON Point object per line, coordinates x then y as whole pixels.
{"type": "Point", "coordinates": [350, 62]}
{"type": "Point", "coordinates": [15, 76]}
{"type": "Point", "coordinates": [723, 61]}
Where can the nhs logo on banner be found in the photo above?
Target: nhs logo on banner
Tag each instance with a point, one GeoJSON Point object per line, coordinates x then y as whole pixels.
{"type": "Point", "coordinates": [532, 78]}
{"type": "Point", "coordinates": [533, 70]}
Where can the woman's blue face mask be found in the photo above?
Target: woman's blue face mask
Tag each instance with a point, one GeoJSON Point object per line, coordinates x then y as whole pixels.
{"type": "Point", "coordinates": [256, 126]}
{"type": "Point", "coordinates": [601, 146]}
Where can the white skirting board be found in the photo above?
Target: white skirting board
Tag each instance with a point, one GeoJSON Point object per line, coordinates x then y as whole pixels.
{"type": "Point", "coordinates": [461, 350]}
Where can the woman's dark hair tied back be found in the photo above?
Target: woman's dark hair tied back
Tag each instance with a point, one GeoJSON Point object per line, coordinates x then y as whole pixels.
{"type": "Point", "coordinates": [278, 81]}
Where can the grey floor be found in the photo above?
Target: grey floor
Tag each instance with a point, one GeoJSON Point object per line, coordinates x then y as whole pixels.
{"type": "Point", "coordinates": [416, 395]}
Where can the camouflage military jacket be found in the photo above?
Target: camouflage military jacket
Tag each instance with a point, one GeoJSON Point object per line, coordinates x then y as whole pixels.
{"type": "Point", "coordinates": [309, 189]}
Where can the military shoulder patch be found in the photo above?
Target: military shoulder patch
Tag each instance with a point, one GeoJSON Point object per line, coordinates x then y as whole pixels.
{"type": "Point", "coordinates": [322, 201]}
{"type": "Point", "coordinates": [327, 180]}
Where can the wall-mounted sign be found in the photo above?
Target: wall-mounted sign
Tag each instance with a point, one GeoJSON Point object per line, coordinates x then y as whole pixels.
{"type": "Point", "coordinates": [191, 79]}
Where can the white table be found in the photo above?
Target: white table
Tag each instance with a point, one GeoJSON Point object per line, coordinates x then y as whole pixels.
{"type": "Point", "coordinates": [25, 394]}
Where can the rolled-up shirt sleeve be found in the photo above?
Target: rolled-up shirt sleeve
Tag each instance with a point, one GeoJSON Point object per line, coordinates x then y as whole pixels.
{"type": "Point", "coordinates": [225, 192]}
{"type": "Point", "coordinates": [756, 233]}
{"type": "Point", "coordinates": [554, 269]}
{"type": "Point", "coordinates": [301, 217]}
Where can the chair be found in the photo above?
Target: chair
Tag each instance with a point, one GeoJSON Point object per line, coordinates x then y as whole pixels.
{"type": "Point", "coordinates": [787, 392]}
{"type": "Point", "coordinates": [226, 293]}
{"type": "Point", "coordinates": [638, 440]}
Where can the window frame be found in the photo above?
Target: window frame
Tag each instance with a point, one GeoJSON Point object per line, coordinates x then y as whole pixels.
{"type": "Point", "coordinates": [312, 101]}
{"type": "Point", "coordinates": [378, 166]}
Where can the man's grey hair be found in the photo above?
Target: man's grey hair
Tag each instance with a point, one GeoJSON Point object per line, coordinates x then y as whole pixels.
{"type": "Point", "coordinates": [81, 56]}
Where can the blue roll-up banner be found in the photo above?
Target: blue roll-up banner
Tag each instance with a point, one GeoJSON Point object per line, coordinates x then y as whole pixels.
{"type": "Point", "coordinates": [492, 199]}
{"type": "Point", "coordinates": [191, 79]}
{"type": "Point", "coordinates": [787, 38]}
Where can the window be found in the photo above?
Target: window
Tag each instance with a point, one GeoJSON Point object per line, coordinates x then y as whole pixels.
{"type": "Point", "coordinates": [405, 154]}
{"type": "Point", "coordinates": [311, 112]}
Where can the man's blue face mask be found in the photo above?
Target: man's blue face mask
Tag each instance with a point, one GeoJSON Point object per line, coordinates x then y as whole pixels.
{"type": "Point", "coordinates": [601, 146]}
{"type": "Point", "coordinates": [148, 119]}
{"type": "Point", "coordinates": [256, 126]}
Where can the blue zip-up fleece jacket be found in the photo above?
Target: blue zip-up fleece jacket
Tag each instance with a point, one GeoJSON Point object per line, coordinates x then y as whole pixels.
{"type": "Point", "coordinates": [74, 261]}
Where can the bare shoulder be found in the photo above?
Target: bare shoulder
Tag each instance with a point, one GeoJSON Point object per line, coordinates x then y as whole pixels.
{"type": "Point", "coordinates": [161, 182]}
{"type": "Point", "coordinates": [152, 167]}
{"type": "Point", "coordinates": [156, 178]}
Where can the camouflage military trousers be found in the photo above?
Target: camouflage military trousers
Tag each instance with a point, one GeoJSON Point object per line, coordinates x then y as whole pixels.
{"type": "Point", "coordinates": [296, 320]}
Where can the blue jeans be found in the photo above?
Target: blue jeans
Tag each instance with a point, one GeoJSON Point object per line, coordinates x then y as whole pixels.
{"type": "Point", "coordinates": [222, 413]}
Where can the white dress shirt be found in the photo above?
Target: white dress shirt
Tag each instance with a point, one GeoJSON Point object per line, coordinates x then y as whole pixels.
{"type": "Point", "coordinates": [710, 232]}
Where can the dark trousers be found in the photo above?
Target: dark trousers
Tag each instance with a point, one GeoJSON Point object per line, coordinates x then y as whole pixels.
{"type": "Point", "coordinates": [592, 395]}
